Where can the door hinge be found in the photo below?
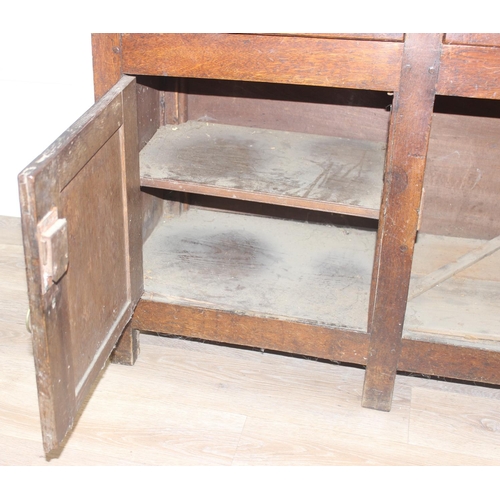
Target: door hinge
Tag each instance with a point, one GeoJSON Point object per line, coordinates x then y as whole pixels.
{"type": "Point", "coordinates": [52, 235]}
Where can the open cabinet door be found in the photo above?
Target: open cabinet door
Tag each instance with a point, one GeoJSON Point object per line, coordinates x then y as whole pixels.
{"type": "Point", "coordinates": [81, 220]}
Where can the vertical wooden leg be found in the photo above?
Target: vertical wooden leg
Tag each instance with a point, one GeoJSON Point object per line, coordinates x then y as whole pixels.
{"type": "Point", "coordinates": [404, 173]}
{"type": "Point", "coordinates": [126, 350]}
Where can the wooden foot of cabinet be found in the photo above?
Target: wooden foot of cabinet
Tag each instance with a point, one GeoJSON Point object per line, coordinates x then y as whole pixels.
{"type": "Point", "coordinates": [127, 348]}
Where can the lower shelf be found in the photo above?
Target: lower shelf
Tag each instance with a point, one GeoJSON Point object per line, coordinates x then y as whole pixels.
{"type": "Point", "coordinates": [463, 309]}
{"type": "Point", "coordinates": [312, 273]}
{"type": "Point", "coordinates": [303, 288]}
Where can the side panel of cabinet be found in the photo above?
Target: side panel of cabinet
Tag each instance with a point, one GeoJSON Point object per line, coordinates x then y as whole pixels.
{"type": "Point", "coordinates": [81, 218]}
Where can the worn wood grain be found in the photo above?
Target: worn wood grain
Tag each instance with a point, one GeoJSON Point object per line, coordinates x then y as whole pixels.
{"type": "Point", "coordinates": [87, 135]}
{"type": "Point", "coordinates": [458, 77]}
{"type": "Point", "coordinates": [424, 283]}
{"type": "Point", "coordinates": [285, 168]}
{"type": "Point", "coordinates": [283, 109]}
{"type": "Point", "coordinates": [437, 417]}
{"type": "Point", "coordinates": [106, 60]}
{"type": "Point", "coordinates": [486, 39]}
{"type": "Point", "coordinates": [405, 165]}
{"type": "Point", "coordinates": [441, 359]}
{"type": "Point", "coordinates": [236, 328]}
{"type": "Point", "coordinates": [461, 178]}
{"type": "Point", "coordinates": [457, 309]}
{"type": "Point", "coordinates": [434, 251]}
{"type": "Point", "coordinates": [393, 37]}
{"type": "Point", "coordinates": [148, 109]}
{"type": "Point", "coordinates": [174, 102]}
{"type": "Point", "coordinates": [95, 189]}
{"type": "Point", "coordinates": [260, 266]}
{"type": "Point", "coordinates": [342, 63]}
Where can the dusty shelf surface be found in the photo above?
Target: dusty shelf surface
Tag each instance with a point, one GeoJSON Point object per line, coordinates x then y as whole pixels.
{"type": "Point", "coordinates": [314, 273]}
{"type": "Point", "coordinates": [462, 310]}
{"type": "Point", "coordinates": [286, 168]}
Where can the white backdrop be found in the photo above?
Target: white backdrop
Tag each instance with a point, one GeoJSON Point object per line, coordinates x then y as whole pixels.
{"type": "Point", "coordinates": [45, 85]}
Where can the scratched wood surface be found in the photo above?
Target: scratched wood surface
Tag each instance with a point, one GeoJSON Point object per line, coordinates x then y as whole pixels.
{"type": "Point", "coordinates": [260, 266]}
{"type": "Point", "coordinates": [314, 273]}
{"type": "Point", "coordinates": [191, 403]}
{"type": "Point", "coordinates": [292, 169]}
{"type": "Point", "coordinates": [90, 174]}
{"type": "Point", "coordinates": [464, 308]}
{"type": "Point", "coordinates": [281, 59]}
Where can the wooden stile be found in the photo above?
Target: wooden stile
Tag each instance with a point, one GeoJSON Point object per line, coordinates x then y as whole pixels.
{"type": "Point", "coordinates": [404, 172]}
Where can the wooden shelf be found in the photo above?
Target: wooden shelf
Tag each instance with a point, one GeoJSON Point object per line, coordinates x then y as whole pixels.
{"type": "Point", "coordinates": [258, 266]}
{"type": "Point", "coordinates": [462, 310]}
{"type": "Point", "coordinates": [285, 168]}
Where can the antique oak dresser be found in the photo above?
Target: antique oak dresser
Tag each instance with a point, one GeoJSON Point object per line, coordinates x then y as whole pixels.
{"type": "Point", "coordinates": [267, 190]}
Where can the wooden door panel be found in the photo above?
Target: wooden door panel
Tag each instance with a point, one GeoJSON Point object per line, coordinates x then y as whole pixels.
{"type": "Point", "coordinates": [81, 219]}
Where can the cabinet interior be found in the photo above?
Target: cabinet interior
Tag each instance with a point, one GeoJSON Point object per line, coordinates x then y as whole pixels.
{"type": "Point", "coordinates": [228, 227]}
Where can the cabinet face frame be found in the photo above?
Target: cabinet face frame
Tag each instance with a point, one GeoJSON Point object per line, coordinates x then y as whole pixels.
{"type": "Point", "coordinates": [81, 221]}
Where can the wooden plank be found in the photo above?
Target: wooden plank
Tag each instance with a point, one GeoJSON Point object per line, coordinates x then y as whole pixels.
{"type": "Point", "coordinates": [450, 361]}
{"type": "Point", "coordinates": [130, 191]}
{"type": "Point", "coordinates": [461, 178]}
{"type": "Point", "coordinates": [309, 61]}
{"type": "Point", "coordinates": [405, 165]}
{"type": "Point", "coordinates": [421, 285]}
{"type": "Point", "coordinates": [126, 350]}
{"type": "Point", "coordinates": [265, 267]}
{"type": "Point", "coordinates": [459, 311]}
{"type": "Point", "coordinates": [457, 76]}
{"type": "Point", "coordinates": [348, 113]}
{"type": "Point", "coordinates": [268, 166]}
{"type": "Point", "coordinates": [485, 39]}
{"type": "Point", "coordinates": [106, 60]}
{"type": "Point", "coordinates": [417, 356]}
{"type": "Point", "coordinates": [387, 37]}
{"type": "Point", "coordinates": [253, 331]}
{"type": "Point", "coordinates": [438, 417]}
{"type": "Point", "coordinates": [148, 109]}
{"type": "Point", "coordinates": [97, 318]}
{"type": "Point", "coordinates": [175, 103]}
{"type": "Point", "coordinates": [434, 251]}
{"type": "Point", "coordinates": [82, 139]}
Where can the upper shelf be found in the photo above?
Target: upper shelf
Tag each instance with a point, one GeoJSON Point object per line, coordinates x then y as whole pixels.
{"type": "Point", "coordinates": [316, 172]}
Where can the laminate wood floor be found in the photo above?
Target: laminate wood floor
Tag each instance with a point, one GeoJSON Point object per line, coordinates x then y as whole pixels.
{"type": "Point", "coordinates": [193, 403]}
